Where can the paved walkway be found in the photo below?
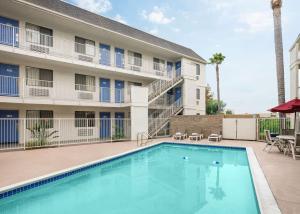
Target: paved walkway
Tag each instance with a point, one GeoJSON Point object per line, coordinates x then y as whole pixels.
{"type": "Point", "coordinates": [282, 173]}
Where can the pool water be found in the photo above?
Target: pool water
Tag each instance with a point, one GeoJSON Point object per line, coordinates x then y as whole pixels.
{"type": "Point", "coordinates": [168, 178]}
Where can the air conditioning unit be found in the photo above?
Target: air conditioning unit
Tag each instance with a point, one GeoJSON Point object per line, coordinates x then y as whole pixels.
{"type": "Point", "coordinates": [40, 49]}
{"type": "Point", "coordinates": [159, 73]}
{"type": "Point", "coordinates": [39, 92]}
{"type": "Point", "coordinates": [135, 68]}
{"type": "Point", "coordinates": [85, 96]}
{"type": "Point", "coordinates": [85, 132]}
{"type": "Point", "coordinates": [85, 58]}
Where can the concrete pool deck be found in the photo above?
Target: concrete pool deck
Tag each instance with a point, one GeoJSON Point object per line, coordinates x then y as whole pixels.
{"type": "Point", "coordinates": [282, 172]}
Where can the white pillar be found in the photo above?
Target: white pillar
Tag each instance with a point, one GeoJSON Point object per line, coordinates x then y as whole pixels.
{"type": "Point", "coordinates": [139, 110]}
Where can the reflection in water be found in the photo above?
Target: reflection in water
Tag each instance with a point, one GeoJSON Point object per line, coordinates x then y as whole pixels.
{"type": "Point", "coordinates": [217, 191]}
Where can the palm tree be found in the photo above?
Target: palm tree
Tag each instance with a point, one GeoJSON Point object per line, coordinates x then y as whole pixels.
{"type": "Point", "coordinates": [217, 60]}
{"type": "Point", "coordinates": [276, 6]}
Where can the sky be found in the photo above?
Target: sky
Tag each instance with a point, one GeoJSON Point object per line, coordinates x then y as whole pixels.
{"type": "Point", "coordinates": [240, 29]}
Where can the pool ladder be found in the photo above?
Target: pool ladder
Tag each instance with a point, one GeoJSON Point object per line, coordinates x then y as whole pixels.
{"type": "Point", "coordinates": [142, 139]}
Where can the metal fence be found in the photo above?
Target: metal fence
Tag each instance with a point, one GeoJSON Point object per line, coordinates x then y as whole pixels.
{"type": "Point", "coordinates": [275, 125]}
{"type": "Point", "coordinates": [26, 133]}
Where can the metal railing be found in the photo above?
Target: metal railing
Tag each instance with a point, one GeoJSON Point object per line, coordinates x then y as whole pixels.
{"type": "Point", "coordinates": [9, 86]}
{"type": "Point", "coordinates": [34, 41]}
{"type": "Point", "coordinates": [38, 88]}
{"type": "Point", "coordinates": [159, 118]}
{"type": "Point", "coordinates": [26, 133]}
{"type": "Point", "coordinates": [119, 95]}
{"type": "Point", "coordinates": [81, 87]}
{"type": "Point", "coordinates": [159, 87]}
{"type": "Point", "coordinates": [275, 125]}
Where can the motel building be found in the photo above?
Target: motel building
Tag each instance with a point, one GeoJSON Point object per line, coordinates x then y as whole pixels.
{"type": "Point", "coordinates": [70, 76]}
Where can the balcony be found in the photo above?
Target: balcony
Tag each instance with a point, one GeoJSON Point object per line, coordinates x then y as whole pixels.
{"type": "Point", "coordinates": [25, 90]}
{"type": "Point", "coordinates": [52, 48]}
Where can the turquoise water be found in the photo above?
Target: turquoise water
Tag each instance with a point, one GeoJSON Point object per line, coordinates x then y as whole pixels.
{"type": "Point", "coordinates": [157, 181]}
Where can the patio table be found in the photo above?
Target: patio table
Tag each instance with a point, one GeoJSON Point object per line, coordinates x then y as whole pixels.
{"type": "Point", "coordinates": [284, 140]}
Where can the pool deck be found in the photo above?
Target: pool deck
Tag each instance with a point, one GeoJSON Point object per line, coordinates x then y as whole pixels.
{"type": "Point", "coordinates": [282, 172]}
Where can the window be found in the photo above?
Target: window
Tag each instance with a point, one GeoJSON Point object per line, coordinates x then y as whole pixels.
{"type": "Point", "coordinates": [104, 54]}
{"type": "Point", "coordinates": [84, 119]}
{"type": "Point", "coordinates": [84, 46]}
{"type": "Point", "coordinates": [134, 58]}
{"type": "Point", "coordinates": [39, 35]}
{"type": "Point", "coordinates": [39, 118]}
{"type": "Point", "coordinates": [84, 82]}
{"type": "Point", "coordinates": [198, 93]}
{"type": "Point", "coordinates": [39, 77]}
{"type": "Point", "coordinates": [197, 71]}
{"type": "Point", "coordinates": [158, 64]}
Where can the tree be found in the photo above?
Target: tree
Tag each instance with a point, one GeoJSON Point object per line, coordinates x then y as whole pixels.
{"type": "Point", "coordinates": [212, 104]}
{"type": "Point", "coordinates": [217, 60]}
{"type": "Point", "coordinates": [276, 7]}
{"type": "Point", "coordinates": [228, 111]}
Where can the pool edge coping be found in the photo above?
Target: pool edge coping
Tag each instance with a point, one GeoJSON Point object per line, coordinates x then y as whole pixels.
{"type": "Point", "coordinates": [265, 198]}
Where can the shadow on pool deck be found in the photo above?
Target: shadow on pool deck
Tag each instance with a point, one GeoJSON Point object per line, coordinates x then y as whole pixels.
{"type": "Point", "coordinates": [282, 172]}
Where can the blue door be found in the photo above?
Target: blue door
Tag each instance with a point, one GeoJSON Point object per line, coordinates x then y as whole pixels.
{"type": "Point", "coordinates": [9, 32]}
{"type": "Point", "coordinates": [178, 94]}
{"type": "Point", "coordinates": [119, 91]}
{"type": "Point", "coordinates": [104, 54]}
{"type": "Point", "coordinates": [170, 97]}
{"type": "Point", "coordinates": [169, 69]}
{"type": "Point", "coordinates": [105, 124]}
{"type": "Point", "coordinates": [104, 90]}
{"type": "Point", "coordinates": [9, 80]}
{"type": "Point", "coordinates": [178, 68]}
{"type": "Point", "coordinates": [119, 57]}
{"type": "Point", "coordinates": [119, 121]}
{"type": "Point", "coordinates": [9, 126]}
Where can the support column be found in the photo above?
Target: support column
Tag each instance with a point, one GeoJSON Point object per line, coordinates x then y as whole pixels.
{"type": "Point", "coordinates": [139, 110]}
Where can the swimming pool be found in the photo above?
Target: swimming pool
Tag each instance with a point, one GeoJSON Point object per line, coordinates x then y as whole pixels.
{"type": "Point", "coordinates": [167, 178]}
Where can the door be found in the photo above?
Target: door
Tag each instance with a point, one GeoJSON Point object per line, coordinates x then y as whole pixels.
{"type": "Point", "coordinates": [119, 91]}
{"type": "Point", "coordinates": [9, 32]}
{"type": "Point", "coordinates": [178, 68]}
{"type": "Point", "coordinates": [119, 57]}
{"type": "Point", "coordinates": [9, 126]}
{"type": "Point", "coordinates": [178, 94]}
{"type": "Point", "coordinates": [169, 69]}
{"type": "Point", "coordinates": [104, 54]}
{"type": "Point", "coordinates": [9, 80]}
{"type": "Point", "coordinates": [104, 90]}
{"type": "Point", "coordinates": [105, 125]}
{"type": "Point", "coordinates": [170, 96]}
{"type": "Point", "coordinates": [119, 122]}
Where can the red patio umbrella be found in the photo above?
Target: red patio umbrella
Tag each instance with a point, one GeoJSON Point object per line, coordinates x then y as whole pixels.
{"type": "Point", "coordinates": [291, 106]}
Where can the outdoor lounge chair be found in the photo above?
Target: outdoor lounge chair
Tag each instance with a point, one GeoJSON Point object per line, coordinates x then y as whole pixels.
{"type": "Point", "coordinates": [179, 136]}
{"type": "Point", "coordinates": [271, 142]}
{"type": "Point", "coordinates": [214, 137]}
{"type": "Point", "coordinates": [295, 145]}
{"type": "Point", "coordinates": [196, 136]}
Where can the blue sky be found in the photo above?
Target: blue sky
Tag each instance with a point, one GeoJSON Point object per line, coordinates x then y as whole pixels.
{"type": "Point", "coordinates": [242, 30]}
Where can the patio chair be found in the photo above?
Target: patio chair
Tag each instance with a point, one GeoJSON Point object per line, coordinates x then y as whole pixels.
{"type": "Point", "coordinates": [214, 138]}
{"type": "Point", "coordinates": [295, 146]}
{"type": "Point", "coordinates": [271, 142]}
{"type": "Point", "coordinates": [179, 136]}
{"type": "Point", "coordinates": [195, 136]}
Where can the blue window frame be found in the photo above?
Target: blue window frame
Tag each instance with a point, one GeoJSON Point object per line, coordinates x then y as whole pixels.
{"type": "Point", "coordinates": [177, 94]}
{"type": "Point", "coordinates": [169, 69]}
{"type": "Point", "coordinates": [119, 57]}
{"type": "Point", "coordinates": [104, 90]}
{"type": "Point", "coordinates": [104, 54]}
{"type": "Point", "coordinates": [178, 68]}
{"type": "Point", "coordinates": [105, 125]}
{"type": "Point", "coordinates": [9, 31]}
{"type": "Point", "coordinates": [9, 80]}
{"type": "Point", "coordinates": [119, 91]}
{"type": "Point", "coordinates": [9, 126]}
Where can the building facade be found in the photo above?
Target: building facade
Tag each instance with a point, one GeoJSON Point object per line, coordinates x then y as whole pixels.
{"type": "Point", "coordinates": [295, 69]}
{"type": "Point", "coordinates": [75, 76]}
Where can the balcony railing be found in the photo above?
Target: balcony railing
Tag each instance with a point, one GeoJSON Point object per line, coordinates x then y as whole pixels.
{"type": "Point", "coordinates": [34, 41]}
{"type": "Point", "coordinates": [50, 90]}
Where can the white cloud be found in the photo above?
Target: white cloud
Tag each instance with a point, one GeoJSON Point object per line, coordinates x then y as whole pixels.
{"type": "Point", "coordinates": [157, 16]}
{"type": "Point", "coordinates": [119, 18]}
{"type": "Point", "coordinates": [96, 6]}
{"type": "Point", "coordinates": [176, 30]}
{"type": "Point", "coordinates": [154, 31]}
{"type": "Point", "coordinates": [254, 22]}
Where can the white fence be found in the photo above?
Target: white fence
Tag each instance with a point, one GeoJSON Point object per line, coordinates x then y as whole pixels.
{"type": "Point", "coordinates": [32, 133]}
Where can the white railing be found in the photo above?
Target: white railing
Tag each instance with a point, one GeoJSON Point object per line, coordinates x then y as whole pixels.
{"type": "Point", "coordinates": [38, 88]}
{"type": "Point", "coordinates": [119, 95]}
{"type": "Point", "coordinates": [33, 41]}
{"type": "Point", "coordinates": [9, 86]}
{"type": "Point", "coordinates": [81, 87]}
{"type": "Point", "coordinates": [105, 95]}
{"type": "Point", "coordinates": [158, 87]}
{"type": "Point", "coordinates": [26, 133]}
{"type": "Point", "coordinates": [158, 119]}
